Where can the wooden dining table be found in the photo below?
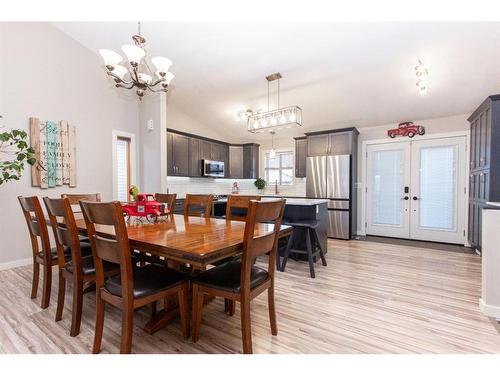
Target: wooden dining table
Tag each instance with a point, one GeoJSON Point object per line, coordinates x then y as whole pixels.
{"type": "Point", "coordinates": [192, 240]}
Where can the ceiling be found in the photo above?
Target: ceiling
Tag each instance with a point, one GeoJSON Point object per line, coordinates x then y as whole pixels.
{"type": "Point", "coordinates": [341, 74]}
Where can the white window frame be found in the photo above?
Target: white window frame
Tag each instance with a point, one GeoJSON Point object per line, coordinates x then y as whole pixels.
{"type": "Point", "coordinates": [272, 183]}
{"type": "Point", "coordinates": [133, 160]}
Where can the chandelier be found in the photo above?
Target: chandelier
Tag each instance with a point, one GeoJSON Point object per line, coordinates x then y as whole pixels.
{"type": "Point", "coordinates": [137, 73]}
{"type": "Point", "coordinates": [272, 120]}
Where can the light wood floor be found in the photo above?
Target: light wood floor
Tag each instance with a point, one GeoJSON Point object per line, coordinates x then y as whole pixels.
{"type": "Point", "coordinates": [372, 298]}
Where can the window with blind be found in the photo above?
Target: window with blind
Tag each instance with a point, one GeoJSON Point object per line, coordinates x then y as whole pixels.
{"type": "Point", "coordinates": [123, 168]}
{"type": "Point", "coordinates": [280, 169]}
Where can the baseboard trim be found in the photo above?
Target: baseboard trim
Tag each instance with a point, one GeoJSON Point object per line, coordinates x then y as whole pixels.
{"type": "Point", "coordinates": [15, 263]}
{"type": "Point", "coordinates": [489, 310]}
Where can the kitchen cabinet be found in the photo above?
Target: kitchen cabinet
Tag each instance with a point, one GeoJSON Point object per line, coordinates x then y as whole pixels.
{"type": "Point", "coordinates": [484, 178]}
{"type": "Point", "coordinates": [194, 158]}
{"type": "Point", "coordinates": [250, 160]}
{"type": "Point", "coordinates": [300, 156]}
{"type": "Point", "coordinates": [178, 155]}
{"type": "Point", "coordinates": [185, 153]}
{"type": "Point", "coordinates": [334, 142]}
{"type": "Point", "coordinates": [236, 161]}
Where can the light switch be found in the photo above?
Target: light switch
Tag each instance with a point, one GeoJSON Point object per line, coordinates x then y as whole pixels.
{"type": "Point", "coordinates": [150, 125]}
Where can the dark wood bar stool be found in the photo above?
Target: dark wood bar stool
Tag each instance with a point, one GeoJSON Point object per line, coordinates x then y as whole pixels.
{"type": "Point", "coordinates": [79, 270]}
{"type": "Point", "coordinates": [240, 280]}
{"type": "Point", "coordinates": [47, 256]}
{"type": "Point", "coordinates": [198, 205]}
{"type": "Point", "coordinates": [313, 246]}
{"type": "Point", "coordinates": [133, 288]}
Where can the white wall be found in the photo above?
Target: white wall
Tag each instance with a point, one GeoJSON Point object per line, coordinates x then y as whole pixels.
{"type": "Point", "coordinates": [48, 75]}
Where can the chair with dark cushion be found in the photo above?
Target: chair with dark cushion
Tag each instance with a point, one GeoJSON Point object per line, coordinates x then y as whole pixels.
{"type": "Point", "coordinates": [132, 288]}
{"type": "Point", "coordinates": [237, 206]}
{"type": "Point", "coordinates": [240, 279]}
{"type": "Point", "coordinates": [168, 199]}
{"type": "Point", "coordinates": [79, 268]}
{"type": "Point", "coordinates": [198, 205]}
{"type": "Point", "coordinates": [47, 256]}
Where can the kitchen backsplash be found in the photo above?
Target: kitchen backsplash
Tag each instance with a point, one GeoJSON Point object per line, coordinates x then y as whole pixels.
{"type": "Point", "coordinates": [222, 186]}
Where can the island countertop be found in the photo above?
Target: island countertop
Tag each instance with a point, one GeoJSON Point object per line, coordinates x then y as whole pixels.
{"type": "Point", "coordinates": [289, 201]}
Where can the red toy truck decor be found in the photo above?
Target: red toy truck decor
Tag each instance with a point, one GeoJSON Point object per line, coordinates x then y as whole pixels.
{"type": "Point", "coordinates": [146, 206]}
{"type": "Point", "coordinates": [406, 129]}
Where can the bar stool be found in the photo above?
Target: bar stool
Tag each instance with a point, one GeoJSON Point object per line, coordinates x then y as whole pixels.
{"type": "Point", "coordinates": [313, 247]}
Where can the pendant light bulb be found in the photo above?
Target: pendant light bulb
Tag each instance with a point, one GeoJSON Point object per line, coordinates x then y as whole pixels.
{"type": "Point", "coordinates": [282, 118]}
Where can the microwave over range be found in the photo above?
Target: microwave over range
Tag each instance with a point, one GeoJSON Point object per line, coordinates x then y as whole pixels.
{"type": "Point", "coordinates": [213, 168]}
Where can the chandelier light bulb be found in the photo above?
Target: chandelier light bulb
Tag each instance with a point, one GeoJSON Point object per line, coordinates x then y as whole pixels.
{"type": "Point", "coordinates": [256, 124]}
{"type": "Point", "coordinates": [273, 120]}
{"type": "Point", "coordinates": [293, 117]}
{"type": "Point", "coordinates": [134, 53]}
{"type": "Point", "coordinates": [272, 154]}
{"type": "Point", "coordinates": [120, 71]}
{"type": "Point", "coordinates": [162, 65]}
{"type": "Point", "coordinates": [422, 90]}
{"type": "Point", "coordinates": [111, 58]}
{"type": "Point", "coordinates": [168, 78]}
{"type": "Point", "coordinates": [282, 118]}
{"type": "Point", "coordinates": [145, 78]}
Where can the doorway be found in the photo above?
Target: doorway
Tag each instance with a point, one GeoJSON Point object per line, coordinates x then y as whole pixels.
{"type": "Point", "coordinates": [416, 189]}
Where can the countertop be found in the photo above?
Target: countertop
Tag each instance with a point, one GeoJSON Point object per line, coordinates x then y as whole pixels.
{"type": "Point", "coordinates": [289, 201]}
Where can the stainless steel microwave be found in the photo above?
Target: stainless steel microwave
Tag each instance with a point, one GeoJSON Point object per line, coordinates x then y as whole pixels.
{"type": "Point", "coordinates": [213, 168]}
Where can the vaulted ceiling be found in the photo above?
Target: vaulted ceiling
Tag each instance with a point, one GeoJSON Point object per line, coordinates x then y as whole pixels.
{"type": "Point", "coordinates": [341, 74]}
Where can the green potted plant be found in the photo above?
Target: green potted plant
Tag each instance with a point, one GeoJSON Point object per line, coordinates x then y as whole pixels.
{"type": "Point", "coordinates": [14, 153]}
{"type": "Point", "coordinates": [260, 183]}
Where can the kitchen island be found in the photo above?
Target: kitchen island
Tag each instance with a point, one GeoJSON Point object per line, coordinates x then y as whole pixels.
{"type": "Point", "coordinates": [296, 210]}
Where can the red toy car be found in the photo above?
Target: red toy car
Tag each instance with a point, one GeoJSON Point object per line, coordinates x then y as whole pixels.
{"type": "Point", "coordinates": [146, 206]}
{"type": "Point", "coordinates": [406, 129]}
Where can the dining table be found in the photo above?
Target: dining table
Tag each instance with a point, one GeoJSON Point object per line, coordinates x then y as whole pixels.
{"type": "Point", "coordinates": [193, 241]}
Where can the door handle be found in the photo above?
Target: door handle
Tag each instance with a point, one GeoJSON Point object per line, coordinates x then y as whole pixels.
{"type": "Point", "coordinates": [406, 198]}
{"type": "Point", "coordinates": [415, 198]}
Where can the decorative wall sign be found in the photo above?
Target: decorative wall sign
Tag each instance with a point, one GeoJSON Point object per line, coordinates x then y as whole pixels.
{"type": "Point", "coordinates": [55, 152]}
{"type": "Point", "coordinates": [406, 129]}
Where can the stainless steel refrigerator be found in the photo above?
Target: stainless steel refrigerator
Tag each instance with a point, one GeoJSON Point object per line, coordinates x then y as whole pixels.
{"type": "Point", "coordinates": [329, 177]}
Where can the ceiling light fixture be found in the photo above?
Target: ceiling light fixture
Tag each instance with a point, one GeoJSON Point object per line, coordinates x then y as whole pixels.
{"type": "Point", "coordinates": [422, 74]}
{"type": "Point", "coordinates": [272, 120]}
{"type": "Point", "coordinates": [138, 75]}
{"type": "Point", "coordinates": [272, 153]}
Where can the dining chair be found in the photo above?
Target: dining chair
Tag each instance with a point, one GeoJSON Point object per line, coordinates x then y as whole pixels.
{"type": "Point", "coordinates": [47, 257]}
{"type": "Point", "coordinates": [133, 287]}
{"type": "Point", "coordinates": [198, 205]}
{"type": "Point", "coordinates": [241, 280]}
{"type": "Point", "coordinates": [79, 269]}
{"type": "Point", "coordinates": [237, 206]}
{"type": "Point", "coordinates": [168, 199]}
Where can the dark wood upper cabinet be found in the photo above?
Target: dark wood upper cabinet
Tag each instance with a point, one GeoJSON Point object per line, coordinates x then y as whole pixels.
{"type": "Point", "coordinates": [185, 153]}
{"type": "Point", "coordinates": [484, 179]}
{"type": "Point", "coordinates": [194, 157]}
{"type": "Point", "coordinates": [317, 145]}
{"type": "Point", "coordinates": [236, 161]}
{"type": "Point", "coordinates": [300, 156]}
{"type": "Point", "coordinates": [179, 155]}
{"type": "Point", "coordinates": [340, 143]}
{"type": "Point", "coordinates": [250, 161]}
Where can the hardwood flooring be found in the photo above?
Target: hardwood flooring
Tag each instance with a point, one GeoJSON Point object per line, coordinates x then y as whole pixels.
{"type": "Point", "coordinates": [371, 298]}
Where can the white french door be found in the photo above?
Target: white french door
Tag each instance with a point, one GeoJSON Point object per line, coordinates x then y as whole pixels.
{"type": "Point", "coordinates": [416, 190]}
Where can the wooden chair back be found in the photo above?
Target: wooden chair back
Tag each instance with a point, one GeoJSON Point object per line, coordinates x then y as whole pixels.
{"type": "Point", "coordinates": [37, 226]}
{"type": "Point", "coordinates": [76, 198]}
{"type": "Point", "coordinates": [65, 231]}
{"type": "Point", "coordinates": [268, 212]}
{"type": "Point", "coordinates": [114, 249]}
{"type": "Point", "coordinates": [200, 202]}
{"type": "Point", "coordinates": [240, 202]}
{"type": "Point", "coordinates": [168, 199]}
